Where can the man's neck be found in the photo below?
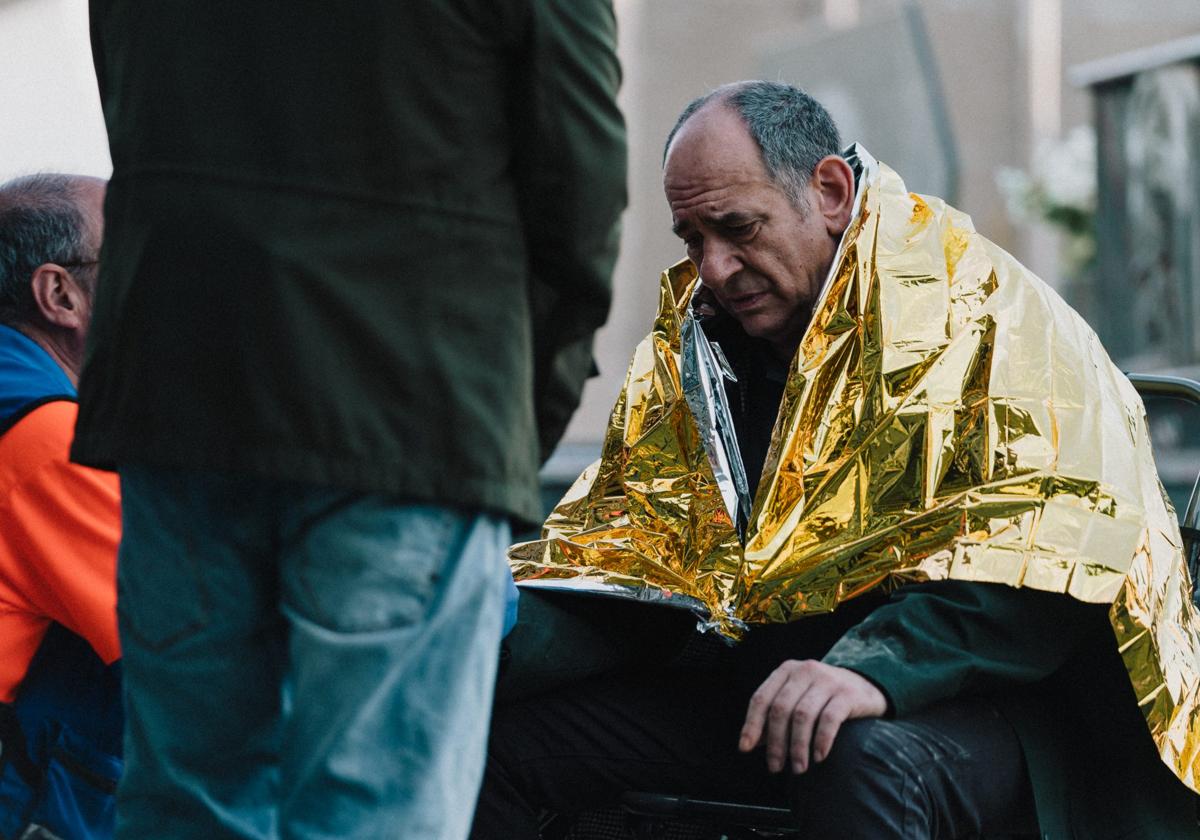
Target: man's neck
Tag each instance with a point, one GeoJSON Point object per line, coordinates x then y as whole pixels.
{"type": "Point", "coordinates": [784, 350]}
{"type": "Point", "coordinates": [58, 347]}
{"type": "Point", "coordinates": [785, 347]}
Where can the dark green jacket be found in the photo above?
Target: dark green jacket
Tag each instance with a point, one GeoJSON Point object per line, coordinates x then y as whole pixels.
{"type": "Point", "coordinates": [362, 244]}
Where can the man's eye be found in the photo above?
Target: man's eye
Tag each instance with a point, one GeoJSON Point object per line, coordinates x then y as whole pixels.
{"type": "Point", "coordinates": [743, 230]}
{"type": "Point", "coordinates": [692, 244]}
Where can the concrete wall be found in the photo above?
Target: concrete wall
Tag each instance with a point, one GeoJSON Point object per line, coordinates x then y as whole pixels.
{"type": "Point", "coordinates": [49, 110]}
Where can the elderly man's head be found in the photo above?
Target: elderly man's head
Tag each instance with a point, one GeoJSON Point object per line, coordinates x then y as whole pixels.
{"type": "Point", "coordinates": [50, 231]}
{"type": "Point", "coordinates": [760, 196]}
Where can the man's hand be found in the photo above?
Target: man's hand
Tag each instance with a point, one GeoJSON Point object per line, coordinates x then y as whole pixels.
{"type": "Point", "coordinates": [802, 705]}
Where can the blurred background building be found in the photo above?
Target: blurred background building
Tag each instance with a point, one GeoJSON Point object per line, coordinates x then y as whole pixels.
{"type": "Point", "coordinates": [1007, 108]}
{"type": "Point", "coordinates": [49, 109]}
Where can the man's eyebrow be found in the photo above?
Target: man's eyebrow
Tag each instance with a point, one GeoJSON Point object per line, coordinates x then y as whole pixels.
{"type": "Point", "coordinates": [733, 218]}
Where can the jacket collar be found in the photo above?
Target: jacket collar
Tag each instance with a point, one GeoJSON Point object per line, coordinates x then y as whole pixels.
{"type": "Point", "coordinates": [28, 375]}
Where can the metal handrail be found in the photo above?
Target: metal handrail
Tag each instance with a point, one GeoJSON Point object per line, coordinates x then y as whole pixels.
{"type": "Point", "coordinates": [1149, 384]}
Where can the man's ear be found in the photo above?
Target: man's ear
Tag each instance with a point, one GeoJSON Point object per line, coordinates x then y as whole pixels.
{"type": "Point", "coordinates": [59, 297]}
{"type": "Point", "coordinates": [833, 183]}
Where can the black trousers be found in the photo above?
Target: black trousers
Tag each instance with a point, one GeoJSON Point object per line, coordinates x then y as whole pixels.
{"type": "Point", "coordinates": [642, 703]}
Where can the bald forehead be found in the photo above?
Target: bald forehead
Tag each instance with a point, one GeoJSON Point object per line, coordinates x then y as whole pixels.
{"type": "Point", "coordinates": [712, 152]}
{"type": "Point", "coordinates": [717, 130]}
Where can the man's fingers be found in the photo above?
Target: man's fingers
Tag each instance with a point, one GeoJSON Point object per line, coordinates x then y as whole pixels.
{"type": "Point", "coordinates": [756, 712]}
{"type": "Point", "coordinates": [780, 718]}
{"type": "Point", "coordinates": [803, 719]}
{"type": "Point", "coordinates": [798, 711]}
{"type": "Point", "coordinates": [829, 723]}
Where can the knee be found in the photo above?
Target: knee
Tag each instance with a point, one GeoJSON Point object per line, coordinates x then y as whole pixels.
{"type": "Point", "coordinates": [864, 771]}
{"type": "Point", "coordinates": [862, 747]}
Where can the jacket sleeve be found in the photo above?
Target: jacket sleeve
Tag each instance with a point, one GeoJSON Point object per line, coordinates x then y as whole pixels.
{"type": "Point", "coordinates": [938, 640]}
{"type": "Point", "coordinates": [571, 169]}
{"type": "Point", "coordinates": [62, 523]}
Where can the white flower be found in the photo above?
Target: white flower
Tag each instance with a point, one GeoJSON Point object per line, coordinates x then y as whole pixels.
{"type": "Point", "coordinates": [1066, 170]}
{"type": "Point", "coordinates": [1059, 192]}
{"type": "Point", "coordinates": [1017, 188]}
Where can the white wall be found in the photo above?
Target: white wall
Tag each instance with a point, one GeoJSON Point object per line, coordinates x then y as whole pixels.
{"type": "Point", "coordinates": [50, 116]}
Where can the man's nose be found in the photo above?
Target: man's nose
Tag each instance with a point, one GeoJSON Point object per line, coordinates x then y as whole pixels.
{"type": "Point", "coordinates": [718, 262]}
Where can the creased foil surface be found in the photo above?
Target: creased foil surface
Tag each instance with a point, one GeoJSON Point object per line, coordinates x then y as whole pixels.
{"type": "Point", "coordinates": [946, 415]}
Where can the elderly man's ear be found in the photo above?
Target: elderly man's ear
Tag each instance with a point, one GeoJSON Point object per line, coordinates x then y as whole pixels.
{"type": "Point", "coordinates": [60, 297]}
{"type": "Point", "coordinates": [833, 182]}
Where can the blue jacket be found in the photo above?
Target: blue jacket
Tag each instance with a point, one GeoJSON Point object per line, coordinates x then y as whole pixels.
{"type": "Point", "coordinates": [61, 737]}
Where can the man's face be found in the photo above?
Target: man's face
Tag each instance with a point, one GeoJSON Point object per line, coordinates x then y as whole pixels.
{"type": "Point", "coordinates": [89, 193]}
{"type": "Point", "coordinates": [763, 259]}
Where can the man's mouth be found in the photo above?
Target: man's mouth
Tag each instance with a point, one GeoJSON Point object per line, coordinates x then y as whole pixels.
{"type": "Point", "coordinates": [741, 303]}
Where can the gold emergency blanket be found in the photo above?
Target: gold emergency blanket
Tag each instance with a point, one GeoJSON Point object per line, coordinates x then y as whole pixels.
{"type": "Point", "coordinates": [947, 415]}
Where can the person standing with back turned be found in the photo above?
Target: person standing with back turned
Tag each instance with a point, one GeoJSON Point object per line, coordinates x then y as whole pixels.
{"type": "Point", "coordinates": [353, 264]}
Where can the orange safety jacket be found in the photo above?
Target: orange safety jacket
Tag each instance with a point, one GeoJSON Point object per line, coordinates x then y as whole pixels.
{"type": "Point", "coordinates": [58, 543]}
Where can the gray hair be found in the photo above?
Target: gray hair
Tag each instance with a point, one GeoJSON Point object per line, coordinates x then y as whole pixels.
{"type": "Point", "coordinates": [40, 222]}
{"type": "Point", "coordinates": [793, 131]}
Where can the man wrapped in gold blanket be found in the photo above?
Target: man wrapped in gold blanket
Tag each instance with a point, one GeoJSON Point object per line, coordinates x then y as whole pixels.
{"type": "Point", "coordinates": [869, 443]}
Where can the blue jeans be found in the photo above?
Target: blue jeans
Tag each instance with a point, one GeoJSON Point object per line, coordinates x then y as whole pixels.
{"type": "Point", "coordinates": [302, 662]}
